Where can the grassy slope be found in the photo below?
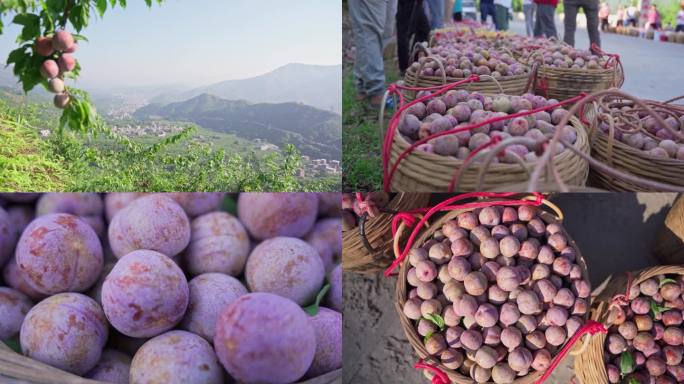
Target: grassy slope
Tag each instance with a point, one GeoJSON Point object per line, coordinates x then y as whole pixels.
{"type": "Point", "coordinates": [27, 163]}
{"type": "Point", "coordinates": [361, 137]}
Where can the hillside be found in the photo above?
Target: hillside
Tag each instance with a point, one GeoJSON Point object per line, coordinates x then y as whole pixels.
{"type": "Point", "coordinates": [319, 86]}
{"type": "Point", "coordinates": [314, 132]}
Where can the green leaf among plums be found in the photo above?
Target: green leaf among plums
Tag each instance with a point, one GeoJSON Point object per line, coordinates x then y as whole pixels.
{"type": "Point", "coordinates": [626, 363]}
{"type": "Point", "coordinates": [436, 319]}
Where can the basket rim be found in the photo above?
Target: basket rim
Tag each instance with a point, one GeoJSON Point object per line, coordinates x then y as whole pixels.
{"type": "Point", "coordinates": [401, 292]}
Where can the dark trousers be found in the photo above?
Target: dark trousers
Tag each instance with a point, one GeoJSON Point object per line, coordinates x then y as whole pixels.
{"type": "Point", "coordinates": [457, 16]}
{"type": "Point", "coordinates": [591, 8]}
{"type": "Point", "coordinates": [487, 9]}
{"type": "Point", "coordinates": [680, 28]}
{"type": "Point", "coordinates": [604, 24]}
{"type": "Point", "coordinates": [411, 22]}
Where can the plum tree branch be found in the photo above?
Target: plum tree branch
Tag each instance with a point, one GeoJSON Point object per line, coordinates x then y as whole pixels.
{"type": "Point", "coordinates": [67, 11]}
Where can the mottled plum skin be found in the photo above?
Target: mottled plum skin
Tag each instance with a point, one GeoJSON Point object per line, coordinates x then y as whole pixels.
{"type": "Point", "coordinates": [334, 297]}
{"type": "Point", "coordinates": [265, 338]}
{"type": "Point", "coordinates": [198, 203]}
{"type": "Point", "coordinates": [329, 204]}
{"type": "Point", "coordinates": [326, 238]}
{"type": "Point", "coordinates": [7, 237]}
{"type": "Point", "coordinates": [176, 357]}
{"type": "Point", "coordinates": [145, 294]}
{"type": "Point", "coordinates": [116, 201]}
{"type": "Point", "coordinates": [209, 294]}
{"type": "Point", "coordinates": [328, 327]}
{"type": "Point", "coordinates": [13, 277]}
{"type": "Point", "coordinates": [59, 253]}
{"type": "Point", "coordinates": [285, 266]}
{"type": "Point", "coordinates": [219, 243]}
{"type": "Point", "coordinates": [20, 216]}
{"type": "Point", "coordinates": [113, 367]}
{"type": "Point", "coordinates": [154, 222]}
{"type": "Point", "coordinates": [14, 306]}
{"type": "Point", "coordinates": [267, 215]}
{"type": "Point", "coordinates": [88, 206]}
{"type": "Point", "coordinates": [66, 331]}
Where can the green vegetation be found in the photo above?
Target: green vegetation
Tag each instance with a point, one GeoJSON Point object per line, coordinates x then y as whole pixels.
{"type": "Point", "coordinates": [101, 160]}
{"type": "Point", "coordinates": [361, 137]}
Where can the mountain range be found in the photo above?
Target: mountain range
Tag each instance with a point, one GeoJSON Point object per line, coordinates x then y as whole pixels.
{"type": "Point", "coordinates": [315, 132]}
{"type": "Point", "coordinates": [319, 86]}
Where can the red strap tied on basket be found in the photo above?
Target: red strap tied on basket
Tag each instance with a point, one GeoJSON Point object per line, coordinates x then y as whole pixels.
{"type": "Point", "coordinates": [544, 86]}
{"type": "Point", "coordinates": [366, 205]}
{"type": "Point", "coordinates": [623, 299]}
{"type": "Point", "coordinates": [439, 378]}
{"type": "Point", "coordinates": [446, 205]}
{"type": "Point", "coordinates": [394, 122]}
{"type": "Point", "coordinates": [613, 58]}
{"type": "Point", "coordinates": [591, 327]}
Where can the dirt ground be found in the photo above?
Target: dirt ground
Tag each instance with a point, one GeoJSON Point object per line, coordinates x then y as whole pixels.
{"type": "Point", "coordinates": [614, 231]}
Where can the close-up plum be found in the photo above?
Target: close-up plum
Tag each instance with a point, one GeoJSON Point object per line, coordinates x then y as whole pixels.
{"type": "Point", "coordinates": [14, 306]}
{"type": "Point", "coordinates": [267, 215]}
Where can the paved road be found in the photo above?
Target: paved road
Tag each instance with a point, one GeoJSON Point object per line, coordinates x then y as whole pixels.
{"type": "Point", "coordinates": [614, 231]}
{"type": "Point", "coordinates": [653, 69]}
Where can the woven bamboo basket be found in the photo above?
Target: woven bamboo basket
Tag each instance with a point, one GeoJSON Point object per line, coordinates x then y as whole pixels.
{"type": "Point", "coordinates": [510, 85]}
{"type": "Point", "coordinates": [564, 83]}
{"type": "Point", "coordinates": [553, 215]}
{"type": "Point", "coordinates": [589, 366]}
{"type": "Point", "coordinates": [669, 245]}
{"type": "Point", "coordinates": [628, 159]}
{"type": "Point", "coordinates": [15, 368]}
{"type": "Point", "coordinates": [356, 257]}
{"type": "Point", "coordinates": [421, 171]}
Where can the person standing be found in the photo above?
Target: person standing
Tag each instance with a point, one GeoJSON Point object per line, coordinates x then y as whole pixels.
{"type": "Point", "coordinates": [680, 18]}
{"type": "Point", "coordinates": [604, 13]}
{"type": "Point", "coordinates": [368, 25]}
{"type": "Point", "coordinates": [436, 13]}
{"type": "Point", "coordinates": [411, 23]}
{"type": "Point", "coordinates": [457, 11]}
{"type": "Point", "coordinates": [528, 11]}
{"type": "Point", "coordinates": [590, 8]}
{"type": "Point", "coordinates": [631, 16]}
{"type": "Point", "coordinates": [487, 9]}
{"type": "Point", "coordinates": [545, 24]}
{"type": "Point", "coordinates": [653, 18]}
{"type": "Point", "coordinates": [620, 16]}
{"type": "Point", "coordinates": [502, 8]}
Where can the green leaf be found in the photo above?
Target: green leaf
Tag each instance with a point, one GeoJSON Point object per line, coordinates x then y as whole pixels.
{"type": "Point", "coordinates": [427, 337]}
{"type": "Point", "coordinates": [667, 280]}
{"type": "Point", "coordinates": [436, 319]}
{"type": "Point", "coordinates": [31, 25]}
{"type": "Point", "coordinates": [25, 19]}
{"type": "Point", "coordinates": [313, 308]}
{"type": "Point", "coordinates": [14, 345]}
{"type": "Point", "coordinates": [626, 363]}
{"type": "Point", "coordinates": [122, 3]}
{"type": "Point", "coordinates": [101, 6]}
{"type": "Point", "coordinates": [633, 380]}
{"type": "Point", "coordinates": [656, 309]}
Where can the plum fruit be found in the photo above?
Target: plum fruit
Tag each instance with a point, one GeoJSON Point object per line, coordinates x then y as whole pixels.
{"type": "Point", "coordinates": [176, 356]}
{"type": "Point", "coordinates": [59, 253]}
{"type": "Point", "coordinates": [67, 331]}
{"type": "Point", "coordinates": [145, 294]}
{"type": "Point", "coordinates": [198, 203]}
{"type": "Point", "coordinates": [154, 222]}
{"type": "Point", "coordinates": [267, 215]}
{"type": "Point", "coordinates": [209, 294]}
{"type": "Point", "coordinates": [114, 367]}
{"type": "Point", "coordinates": [265, 338]}
{"type": "Point", "coordinates": [219, 243]}
{"type": "Point", "coordinates": [14, 306]}
{"type": "Point", "coordinates": [327, 325]}
{"type": "Point", "coordinates": [286, 266]}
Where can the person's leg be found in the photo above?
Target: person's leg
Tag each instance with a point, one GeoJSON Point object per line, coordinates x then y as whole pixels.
{"type": "Point", "coordinates": [388, 31]}
{"type": "Point", "coordinates": [548, 20]}
{"type": "Point", "coordinates": [483, 13]}
{"type": "Point", "coordinates": [591, 8]}
{"type": "Point", "coordinates": [403, 18]}
{"type": "Point", "coordinates": [570, 22]}
{"type": "Point", "coordinates": [421, 23]}
{"type": "Point", "coordinates": [679, 28]}
{"type": "Point", "coordinates": [368, 21]}
{"type": "Point", "coordinates": [528, 11]}
{"type": "Point", "coordinates": [436, 13]}
{"type": "Point", "coordinates": [538, 29]}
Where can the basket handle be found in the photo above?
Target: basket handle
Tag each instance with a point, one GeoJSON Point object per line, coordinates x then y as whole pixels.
{"type": "Point", "coordinates": [439, 64]}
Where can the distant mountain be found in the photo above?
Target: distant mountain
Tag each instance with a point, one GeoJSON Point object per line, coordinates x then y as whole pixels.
{"type": "Point", "coordinates": [313, 131]}
{"type": "Point", "coordinates": [319, 86]}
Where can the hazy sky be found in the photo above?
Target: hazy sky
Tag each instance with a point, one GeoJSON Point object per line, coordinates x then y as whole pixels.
{"type": "Point", "coordinates": [195, 42]}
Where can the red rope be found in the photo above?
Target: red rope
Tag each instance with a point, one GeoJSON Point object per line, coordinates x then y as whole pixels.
{"type": "Point", "coordinates": [591, 327]}
{"type": "Point", "coordinates": [389, 138]}
{"type": "Point", "coordinates": [439, 378]}
{"type": "Point", "coordinates": [446, 206]}
{"type": "Point", "coordinates": [366, 205]}
{"type": "Point", "coordinates": [612, 58]}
